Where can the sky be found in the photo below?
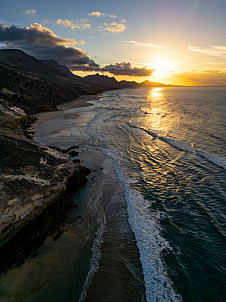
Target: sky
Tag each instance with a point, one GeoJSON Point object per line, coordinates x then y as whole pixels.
{"type": "Point", "coordinates": [179, 42]}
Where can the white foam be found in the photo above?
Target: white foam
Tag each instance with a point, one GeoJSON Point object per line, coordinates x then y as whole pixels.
{"type": "Point", "coordinates": [147, 230]}
{"type": "Point", "coordinates": [180, 145]}
{"type": "Point", "coordinates": [95, 259]}
{"type": "Point", "coordinates": [213, 158]}
{"type": "Point", "coordinates": [186, 147]}
{"type": "Point", "coordinates": [151, 244]}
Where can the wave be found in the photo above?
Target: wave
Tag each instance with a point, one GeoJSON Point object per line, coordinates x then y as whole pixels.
{"type": "Point", "coordinates": [150, 242]}
{"type": "Point", "coordinates": [213, 158]}
{"type": "Point", "coordinates": [95, 260]}
{"type": "Point", "coordinates": [218, 160]}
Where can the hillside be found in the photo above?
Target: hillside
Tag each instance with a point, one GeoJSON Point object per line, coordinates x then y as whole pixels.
{"type": "Point", "coordinates": [35, 86]}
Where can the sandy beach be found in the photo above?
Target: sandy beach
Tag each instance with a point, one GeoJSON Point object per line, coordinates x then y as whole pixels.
{"type": "Point", "coordinates": [92, 248]}
{"type": "Point", "coordinates": [76, 103]}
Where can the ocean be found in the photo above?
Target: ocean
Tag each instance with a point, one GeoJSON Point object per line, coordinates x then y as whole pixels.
{"type": "Point", "coordinates": [167, 146]}
{"type": "Point", "coordinates": [157, 225]}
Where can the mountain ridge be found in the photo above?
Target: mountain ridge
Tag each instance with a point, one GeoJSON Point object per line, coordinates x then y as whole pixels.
{"type": "Point", "coordinates": [111, 83]}
{"type": "Point", "coordinates": [34, 86]}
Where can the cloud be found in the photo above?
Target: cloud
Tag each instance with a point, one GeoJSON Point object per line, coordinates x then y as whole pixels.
{"type": "Point", "coordinates": [98, 14]}
{"type": "Point", "coordinates": [135, 43]}
{"type": "Point", "coordinates": [117, 69]}
{"type": "Point", "coordinates": [68, 23]}
{"type": "Point", "coordinates": [36, 34]}
{"type": "Point", "coordinates": [30, 11]}
{"type": "Point", "coordinates": [69, 56]}
{"type": "Point", "coordinates": [42, 43]}
{"type": "Point", "coordinates": [201, 78]}
{"type": "Point", "coordinates": [217, 51]}
{"type": "Point", "coordinates": [114, 27]}
{"type": "Point", "coordinates": [127, 69]}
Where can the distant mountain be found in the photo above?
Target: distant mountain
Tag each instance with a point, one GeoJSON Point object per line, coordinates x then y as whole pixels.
{"type": "Point", "coordinates": [37, 86]}
{"type": "Point", "coordinates": [103, 81]}
{"type": "Point", "coordinates": [40, 85]}
{"type": "Point", "coordinates": [153, 84]}
{"type": "Point", "coordinates": [111, 83]}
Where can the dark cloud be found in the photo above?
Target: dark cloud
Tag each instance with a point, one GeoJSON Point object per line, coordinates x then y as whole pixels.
{"type": "Point", "coordinates": [126, 69]}
{"type": "Point", "coordinates": [36, 34]}
{"type": "Point", "coordinates": [69, 56]}
{"type": "Point", "coordinates": [117, 69]}
{"type": "Point", "coordinates": [87, 67]}
{"type": "Point", "coordinates": [42, 43]}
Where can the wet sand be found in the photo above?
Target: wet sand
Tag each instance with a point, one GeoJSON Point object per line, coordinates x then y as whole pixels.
{"type": "Point", "coordinates": [77, 103]}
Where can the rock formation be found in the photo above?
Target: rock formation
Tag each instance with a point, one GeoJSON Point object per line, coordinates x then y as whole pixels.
{"type": "Point", "coordinates": [34, 180]}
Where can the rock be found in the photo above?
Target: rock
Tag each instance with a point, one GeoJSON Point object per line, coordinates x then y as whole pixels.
{"type": "Point", "coordinates": [73, 153]}
{"type": "Point", "coordinates": [33, 182]}
{"type": "Point", "coordinates": [75, 161]}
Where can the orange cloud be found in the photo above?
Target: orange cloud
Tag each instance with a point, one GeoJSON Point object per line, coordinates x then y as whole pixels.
{"type": "Point", "coordinates": [98, 14]}
{"type": "Point", "coordinates": [198, 78]}
{"type": "Point", "coordinates": [114, 27]}
{"type": "Point", "coordinates": [70, 24]}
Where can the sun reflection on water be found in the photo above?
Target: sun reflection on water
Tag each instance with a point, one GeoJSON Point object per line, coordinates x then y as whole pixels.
{"type": "Point", "coordinates": [156, 112]}
{"type": "Point", "coordinates": [155, 92]}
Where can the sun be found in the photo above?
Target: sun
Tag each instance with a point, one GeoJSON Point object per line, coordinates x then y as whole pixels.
{"type": "Point", "coordinates": [163, 67]}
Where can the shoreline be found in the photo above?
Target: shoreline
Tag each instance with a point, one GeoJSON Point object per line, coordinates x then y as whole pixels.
{"type": "Point", "coordinates": [100, 204]}
{"type": "Point", "coordinates": [81, 101]}
{"type": "Point", "coordinates": [105, 207]}
{"type": "Point", "coordinates": [33, 178]}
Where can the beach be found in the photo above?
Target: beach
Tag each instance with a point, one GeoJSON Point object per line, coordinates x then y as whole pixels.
{"type": "Point", "coordinates": [91, 247]}
{"type": "Point", "coordinates": [81, 101]}
{"type": "Point", "coordinates": [150, 219]}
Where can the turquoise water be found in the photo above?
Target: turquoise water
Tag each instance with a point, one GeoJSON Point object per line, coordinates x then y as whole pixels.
{"type": "Point", "coordinates": [168, 148]}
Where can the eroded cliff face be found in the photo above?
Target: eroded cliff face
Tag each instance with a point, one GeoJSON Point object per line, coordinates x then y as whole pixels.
{"type": "Point", "coordinates": [33, 183]}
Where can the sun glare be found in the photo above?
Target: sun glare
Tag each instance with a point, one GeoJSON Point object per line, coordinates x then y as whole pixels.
{"type": "Point", "coordinates": [162, 68]}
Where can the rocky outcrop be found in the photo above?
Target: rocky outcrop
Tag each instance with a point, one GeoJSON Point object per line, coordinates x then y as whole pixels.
{"type": "Point", "coordinates": [33, 183]}
{"type": "Point", "coordinates": [34, 180]}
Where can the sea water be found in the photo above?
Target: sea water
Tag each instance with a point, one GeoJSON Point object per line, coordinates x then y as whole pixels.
{"type": "Point", "coordinates": [167, 148]}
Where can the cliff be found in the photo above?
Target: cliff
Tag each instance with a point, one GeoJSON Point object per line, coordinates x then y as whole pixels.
{"type": "Point", "coordinates": [34, 181]}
